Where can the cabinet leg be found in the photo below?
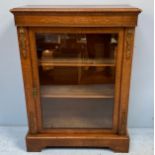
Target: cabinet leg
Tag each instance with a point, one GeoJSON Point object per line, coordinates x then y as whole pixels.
{"type": "Point", "coordinates": [33, 148]}
{"type": "Point", "coordinates": [33, 145]}
{"type": "Point", "coordinates": [120, 149]}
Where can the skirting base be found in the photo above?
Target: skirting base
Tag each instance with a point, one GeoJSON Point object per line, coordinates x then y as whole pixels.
{"type": "Point", "coordinates": [117, 143]}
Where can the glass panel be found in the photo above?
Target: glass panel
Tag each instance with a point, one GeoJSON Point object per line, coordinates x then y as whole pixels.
{"type": "Point", "coordinates": [77, 78]}
{"type": "Point", "coordinates": [95, 48]}
{"type": "Point", "coordinates": [77, 113]}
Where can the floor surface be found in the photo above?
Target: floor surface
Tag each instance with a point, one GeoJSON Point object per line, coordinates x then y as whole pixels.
{"type": "Point", "coordinates": [12, 143]}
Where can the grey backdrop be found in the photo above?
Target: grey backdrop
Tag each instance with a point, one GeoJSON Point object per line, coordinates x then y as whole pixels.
{"type": "Point", "coordinates": [12, 102]}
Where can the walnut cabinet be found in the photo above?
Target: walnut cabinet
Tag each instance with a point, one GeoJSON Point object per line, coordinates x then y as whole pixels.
{"type": "Point", "coordinates": [76, 64]}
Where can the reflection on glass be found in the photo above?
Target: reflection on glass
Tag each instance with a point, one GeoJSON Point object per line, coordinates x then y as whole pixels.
{"type": "Point", "coordinates": [89, 46]}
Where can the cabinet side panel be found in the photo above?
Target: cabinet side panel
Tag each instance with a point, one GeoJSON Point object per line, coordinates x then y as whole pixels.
{"type": "Point", "coordinates": [27, 76]}
{"type": "Point", "coordinates": [125, 83]}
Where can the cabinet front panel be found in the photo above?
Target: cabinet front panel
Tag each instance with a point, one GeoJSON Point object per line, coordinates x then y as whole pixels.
{"type": "Point", "coordinates": [77, 79]}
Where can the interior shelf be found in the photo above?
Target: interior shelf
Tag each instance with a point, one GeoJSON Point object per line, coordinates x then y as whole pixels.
{"type": "Point", "coordinates": [76, 62]}
{"type": "Point", "coordinates": [78, 91]}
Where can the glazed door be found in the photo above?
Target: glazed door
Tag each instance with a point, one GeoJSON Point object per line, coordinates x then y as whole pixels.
{"type": "Point", "coordinates": [77, 74]}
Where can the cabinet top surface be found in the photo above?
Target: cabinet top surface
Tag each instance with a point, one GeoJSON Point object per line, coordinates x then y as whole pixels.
{"type": "Point", "coordinates": [75, 8]}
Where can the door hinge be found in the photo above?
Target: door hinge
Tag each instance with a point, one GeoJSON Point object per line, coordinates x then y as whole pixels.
{"type": "Point", "coordinates": [34, 91]}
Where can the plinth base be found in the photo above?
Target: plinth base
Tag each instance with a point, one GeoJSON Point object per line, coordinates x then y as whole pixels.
{"type": "Point", "coordinates": [37, 142]}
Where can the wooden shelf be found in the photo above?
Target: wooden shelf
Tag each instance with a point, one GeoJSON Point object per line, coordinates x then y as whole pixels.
{"type": "Point", "coordinates": [77, 62]}
{"type": "Point", "coordinates": [78, 91]}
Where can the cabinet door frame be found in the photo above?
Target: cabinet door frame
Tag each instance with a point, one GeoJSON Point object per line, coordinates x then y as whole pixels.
{"type": "Point", "coordinates": [34, 66]}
